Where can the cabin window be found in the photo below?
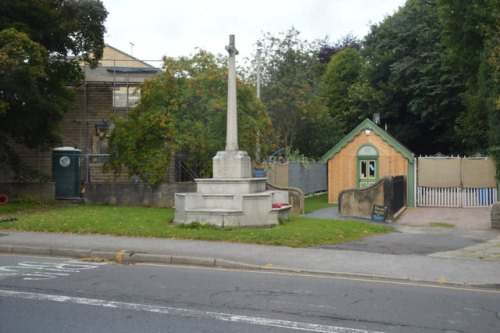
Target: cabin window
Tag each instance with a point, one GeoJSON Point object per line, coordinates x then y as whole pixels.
{"type": "Point", "coordinates": [367, 169]}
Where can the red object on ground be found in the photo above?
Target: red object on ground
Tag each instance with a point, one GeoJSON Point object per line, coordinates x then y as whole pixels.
{"type": "Point", "coordinates": [3, 199]}
{"type": "Point", "coordinates": [280, 205]}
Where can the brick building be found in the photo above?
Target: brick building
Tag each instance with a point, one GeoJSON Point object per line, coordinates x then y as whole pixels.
{"type": "Point", "coordinates": [108, 91]}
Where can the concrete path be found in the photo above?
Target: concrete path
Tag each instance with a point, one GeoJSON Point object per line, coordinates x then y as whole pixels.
{"type": "Point", "coordinates": [333, 213]}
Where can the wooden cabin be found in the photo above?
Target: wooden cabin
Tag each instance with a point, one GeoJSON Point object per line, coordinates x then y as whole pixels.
{"type": "Point", "coordinates": [365, 155]}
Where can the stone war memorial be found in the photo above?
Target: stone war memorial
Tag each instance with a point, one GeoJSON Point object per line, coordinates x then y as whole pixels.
{"type": "Point", "coordinates": [232, 197]}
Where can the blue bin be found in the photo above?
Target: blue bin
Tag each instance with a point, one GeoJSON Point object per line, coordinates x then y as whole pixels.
{"type": "Point", "coordinates": [259, 173]}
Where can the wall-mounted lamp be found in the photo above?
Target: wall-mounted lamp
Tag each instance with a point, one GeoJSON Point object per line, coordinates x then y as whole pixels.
{"type": "Point", "coordinates": [368, 131]}
{"type": "Point", "coordinates": [102, 128]}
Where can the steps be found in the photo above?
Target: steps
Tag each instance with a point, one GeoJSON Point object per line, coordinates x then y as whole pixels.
{"type": "Point", "coordinates": [225, 209]}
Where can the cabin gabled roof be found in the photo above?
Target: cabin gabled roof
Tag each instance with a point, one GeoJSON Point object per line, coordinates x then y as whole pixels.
{"type": "Point", "coordinates": [365, 124]}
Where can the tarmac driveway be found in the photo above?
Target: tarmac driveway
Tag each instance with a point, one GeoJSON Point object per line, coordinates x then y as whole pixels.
{"type": "Point", "coordinates": [417, 232]}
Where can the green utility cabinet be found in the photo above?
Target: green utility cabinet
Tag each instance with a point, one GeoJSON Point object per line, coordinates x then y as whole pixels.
{"type": "Point", "coordinates": [66, 172]}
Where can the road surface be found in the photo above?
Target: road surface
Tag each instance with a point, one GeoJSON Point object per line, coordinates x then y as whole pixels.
{"type": "Point", "coordinates": [39, 294]}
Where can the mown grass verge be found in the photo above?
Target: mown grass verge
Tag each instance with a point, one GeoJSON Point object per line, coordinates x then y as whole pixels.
{"type": "Point", "coordinates": [316, 202]}
{"type": "Point", "coordinates": [156, 222]}
{"type": "Point", "coordinates": [25, 203]}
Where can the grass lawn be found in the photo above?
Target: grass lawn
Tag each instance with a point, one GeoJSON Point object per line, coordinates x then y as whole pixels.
{"type": "Point", "coordinates": [316, 202]}
{"type": "Point", "coordinates": [156, 222]}
{"type": "Point", "coordinates": [23, 204]}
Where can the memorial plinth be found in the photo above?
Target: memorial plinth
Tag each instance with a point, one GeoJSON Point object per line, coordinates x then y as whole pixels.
{"type": "Point", "coordinates": [232, 197]}
{"type": "Point", "coordinates": [232, 164]}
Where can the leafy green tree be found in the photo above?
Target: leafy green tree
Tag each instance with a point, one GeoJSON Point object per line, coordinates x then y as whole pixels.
{"type": "Point", "coordinates": [342, 74]}
{"type": "Point", "coordinates": [42, 44]}
{"type": "Point", "coordinates": [327, 51]}
{"type": "Point", "coordinates": [290, 91]}
{"type": "Point", "coordinates": [417, 91]}
{"type": "Point", "coordinates": [471, 30]}
{"type": "Point", "coordinates": [184, 110]}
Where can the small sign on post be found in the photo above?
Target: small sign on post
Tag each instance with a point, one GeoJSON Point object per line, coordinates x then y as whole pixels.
{"type": "Point", "coordinates": [379, 213]}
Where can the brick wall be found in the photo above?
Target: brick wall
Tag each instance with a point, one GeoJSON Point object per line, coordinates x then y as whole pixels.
{"type": "Point", "coordinates": [92, 105]}
{"type": "Point", "coordinates": [97, 175]}
{"type": "Point", "coordinates": [43, 192]}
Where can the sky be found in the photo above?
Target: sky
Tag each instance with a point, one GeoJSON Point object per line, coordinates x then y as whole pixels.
{"type": "Point", "coordinates": [151, 29]}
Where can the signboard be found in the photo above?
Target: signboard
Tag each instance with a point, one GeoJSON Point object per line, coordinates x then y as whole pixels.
{"type": "Point", "coordinates": [379, 213]}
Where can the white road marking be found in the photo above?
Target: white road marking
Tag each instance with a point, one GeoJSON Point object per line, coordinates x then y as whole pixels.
{"type": "Point", "coordinates": [293, 325]}
{"type": "Point", "coordinates": [41, 270]}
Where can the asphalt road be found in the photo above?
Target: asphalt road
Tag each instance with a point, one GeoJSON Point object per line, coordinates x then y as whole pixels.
{"type": "Point", "coordinates": [49, 295]}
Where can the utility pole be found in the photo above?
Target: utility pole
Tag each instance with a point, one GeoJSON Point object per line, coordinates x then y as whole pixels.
{"type": "Point", "coordinates": [258, 74]}
{"type": "Point", "coordinates": [257, 145]}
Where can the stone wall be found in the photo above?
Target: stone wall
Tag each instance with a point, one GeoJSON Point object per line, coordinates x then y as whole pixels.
{"type": "Point", "coordinates": [388, 192]}
{"type": "Point", "coordinates": [359, 202]}
{"type": "Point", "coordinates": [39, 191]}
{"type": "Point", "coordinates": [495, 215]}
{"type": "Point", "coordinates": [97, 175]}
{"type": "Point", "coordinates": [135, 194]}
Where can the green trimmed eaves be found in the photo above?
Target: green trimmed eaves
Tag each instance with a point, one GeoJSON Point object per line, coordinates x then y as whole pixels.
{"type": "Point", "coordinates": [367, 123]}
{"type": "Point", "coordinates": [344, 142]}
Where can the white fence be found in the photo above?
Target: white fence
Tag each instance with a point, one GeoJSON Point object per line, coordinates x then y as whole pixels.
{"type": "Point", "coordinates": [444, 181]}
{"type": "Point", "coordinates": [456, 197]}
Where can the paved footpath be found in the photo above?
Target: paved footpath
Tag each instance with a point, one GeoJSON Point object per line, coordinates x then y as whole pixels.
{"type": "Point", "coordinates": [444, 268]}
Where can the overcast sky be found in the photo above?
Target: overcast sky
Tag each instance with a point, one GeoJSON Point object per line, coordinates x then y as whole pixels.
{"type": "Point", "coordinates": [177, 27]}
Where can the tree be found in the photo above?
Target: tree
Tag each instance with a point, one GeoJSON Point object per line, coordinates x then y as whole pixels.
{"type": "Point", "coordinates": [184, 110]}
{"type": "Point", "coordinates": [327, 51]}
{"type": "Point", "coordinates": [290, 92]}
{"type": "Point", "coordinates": [471, 31]}
{"type": "Point", "coordinates": [342, 73]}
{"type": "Point", "coordinates": [417, 91]}
{"type": "Point", "coordinates": [42, 44]}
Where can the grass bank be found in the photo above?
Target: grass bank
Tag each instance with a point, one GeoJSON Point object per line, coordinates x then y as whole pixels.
{"type": "Point", "coordinates": [316, 202]}
{"type": "Point", "coordinates": [156, 222]}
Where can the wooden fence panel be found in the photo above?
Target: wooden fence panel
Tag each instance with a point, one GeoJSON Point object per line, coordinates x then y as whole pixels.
{"type": "Point", "coordinates": [456, 182]}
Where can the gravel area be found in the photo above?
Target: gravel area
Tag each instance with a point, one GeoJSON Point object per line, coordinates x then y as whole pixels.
{"type": "Point", "coordinates": [467, 218]}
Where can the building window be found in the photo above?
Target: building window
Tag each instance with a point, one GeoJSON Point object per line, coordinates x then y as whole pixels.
{"type": "Point", "coordinates": [367, 169]}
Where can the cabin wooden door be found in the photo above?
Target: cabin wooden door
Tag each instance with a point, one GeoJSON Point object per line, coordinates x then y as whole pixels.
{"type": "Point", "coordinates": [367, 165]}
{"type": "Point", "coordinates": [367, 172]}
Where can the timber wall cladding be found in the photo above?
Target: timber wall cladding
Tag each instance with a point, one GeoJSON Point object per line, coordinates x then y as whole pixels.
{"type": "Point", "coordinates": [342, 168]}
